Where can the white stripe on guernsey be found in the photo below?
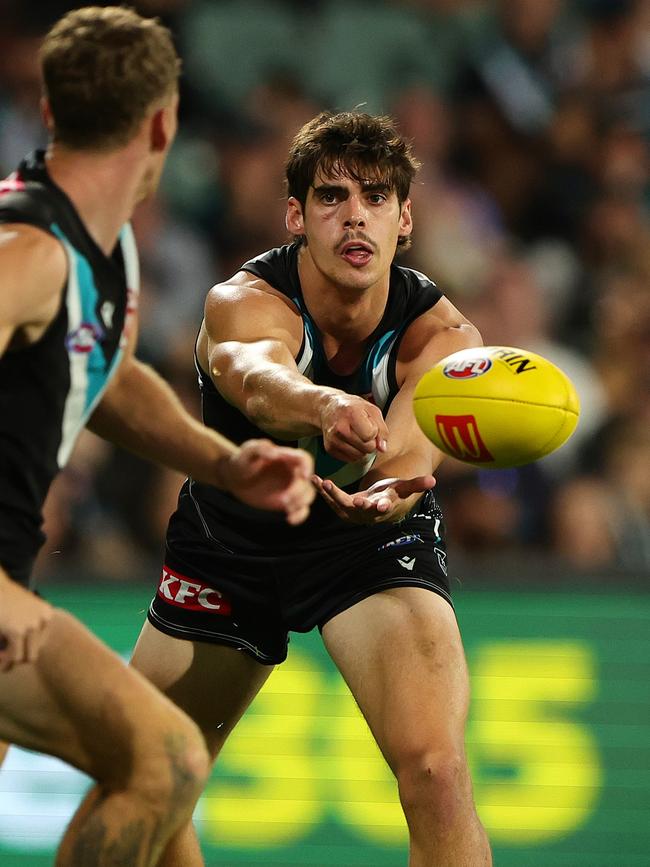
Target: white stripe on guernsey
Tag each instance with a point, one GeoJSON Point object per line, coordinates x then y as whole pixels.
{"type": "Point", "coordinates": [131, 262]}
{"type": "Point", "coordinates": [380, 385]}
{"type": "Point", "coordinates": [307, 354]}
{"type": "Point", "coordinates": [75, 404]}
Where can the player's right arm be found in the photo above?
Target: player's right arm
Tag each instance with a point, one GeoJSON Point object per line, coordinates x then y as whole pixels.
{"type": "Point", "coordinates": [250, 337]}
{"type": "Point", "coordinates": [33, 269]}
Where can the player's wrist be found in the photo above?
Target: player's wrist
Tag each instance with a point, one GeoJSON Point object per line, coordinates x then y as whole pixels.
{"type": "Point", "coordinates": [225, 476]}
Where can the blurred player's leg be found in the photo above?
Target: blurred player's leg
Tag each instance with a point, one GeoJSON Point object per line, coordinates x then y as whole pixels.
{"type": "Point", "coordinates": [4, 749]}
{"type": "Point", "coordinates": [401, 655]}
{"type": "Point", "coordinates": [211, 683]}
{"type": "Point", "coordinates": [78, 701]}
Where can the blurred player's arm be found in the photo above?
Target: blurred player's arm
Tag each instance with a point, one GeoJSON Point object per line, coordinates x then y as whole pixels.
{"type": "Point", "coordinates": [251, 337]}
{"type": "Point", "coordinates": [33, 266]}
{"type": "Point", "coordinates": [403, 472]}
{"type": "Point", "coordinates": [140, 412]}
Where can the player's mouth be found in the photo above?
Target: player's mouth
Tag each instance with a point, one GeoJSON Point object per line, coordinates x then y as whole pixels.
{"type": "Point", "coordinates": [357, 253]}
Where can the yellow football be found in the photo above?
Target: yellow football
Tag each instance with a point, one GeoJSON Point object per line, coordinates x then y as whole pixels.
{"type": "Point", "coordinates": [496, 406]}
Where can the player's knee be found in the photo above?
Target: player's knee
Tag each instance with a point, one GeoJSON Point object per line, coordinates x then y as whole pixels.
{"type": "Point", "coordinates": [434, 783]}
{"type": "Point", "coordinates": [172, 772]}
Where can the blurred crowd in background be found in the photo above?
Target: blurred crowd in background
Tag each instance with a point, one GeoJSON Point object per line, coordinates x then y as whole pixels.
{"type": "Point", "coordinates": [532, 213]}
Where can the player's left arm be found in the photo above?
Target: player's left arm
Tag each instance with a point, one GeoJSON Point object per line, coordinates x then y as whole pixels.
{"type": "Point", "coordinates": [400, 475]}
{"type": "Point", "coordinates": [141, 413]}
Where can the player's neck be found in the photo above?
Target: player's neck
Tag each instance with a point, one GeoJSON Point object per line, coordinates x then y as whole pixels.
{"type": "Point", "coordinates": [348, 314]}
{"type": "Point", "coordinates": [103, 187]}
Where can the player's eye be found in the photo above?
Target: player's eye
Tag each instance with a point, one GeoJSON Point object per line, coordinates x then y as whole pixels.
{"type": "Point", "coordinates": [377, 198]}
{"type": "Point", "coordinates": [327, 197]}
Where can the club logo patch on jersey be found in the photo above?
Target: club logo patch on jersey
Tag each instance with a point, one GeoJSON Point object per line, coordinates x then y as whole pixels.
{"type": "Point", "coordinates": [192, 595]}
{"type": "Point", "coordinates": [84, 338]}
{"type": "Point", "coordinates": [467, 369]}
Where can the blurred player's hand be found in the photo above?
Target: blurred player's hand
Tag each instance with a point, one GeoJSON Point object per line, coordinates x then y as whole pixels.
{"type": "Point", "coordinates": [383, 501]}
{"type": "Point", "coordinates": [23, 624]}
{"type": "Point", "coordinates": [266, 476]}
{"type": "Point", "coordinates": [352, 427]}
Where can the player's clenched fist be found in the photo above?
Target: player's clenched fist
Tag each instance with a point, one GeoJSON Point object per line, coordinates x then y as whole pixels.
{"type": "Point", "coordinates": [352, 427]}
{"type": "Point", "coordinates": [23, 624]}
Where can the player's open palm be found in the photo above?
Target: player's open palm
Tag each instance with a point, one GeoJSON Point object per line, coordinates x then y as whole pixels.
{"type": "Point", "coordinates": [23, 624]}
{"type": "Point", "coordinates": [385, 500]}
{"type": "Point", "coordinates": [267, 476]}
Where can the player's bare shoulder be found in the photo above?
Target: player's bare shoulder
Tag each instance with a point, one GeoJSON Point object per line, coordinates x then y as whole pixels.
{"type": "Point", "coordinates": [247, 308]}
{"type": "Point", "coordinates": [34, 268]}
{"type": "Point", "coordinates": [434, 334]}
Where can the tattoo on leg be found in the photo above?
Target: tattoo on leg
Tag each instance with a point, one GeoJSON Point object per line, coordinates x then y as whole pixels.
{"type": "Point", "coordinates": [92, 849]}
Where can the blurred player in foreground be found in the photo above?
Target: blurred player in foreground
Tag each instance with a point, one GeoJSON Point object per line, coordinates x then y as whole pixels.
{"type": "Point", "coordinates": [322, 343]}
{"type": "Point", "coordinates": [67, 334]}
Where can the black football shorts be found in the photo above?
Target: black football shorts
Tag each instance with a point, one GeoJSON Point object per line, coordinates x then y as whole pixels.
{"type": "Point", "coordinates": [229, 590]}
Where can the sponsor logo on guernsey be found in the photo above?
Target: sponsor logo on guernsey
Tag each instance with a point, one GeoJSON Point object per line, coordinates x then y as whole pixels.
{"type": "Point", "coordinates": [84, 338]}
{"type": "Point", "coordinates": [467, 369]}
{"type": "Point", "coordinates": [403, 540]}
{"type": "Point", "coordinates": [442, 559]}
{"type": "Point", "coordinates": [461, 436]}
{"type": "Point", "coordinates": [407, 562]}
{"type": "Point", "coordinates": [192, 595]}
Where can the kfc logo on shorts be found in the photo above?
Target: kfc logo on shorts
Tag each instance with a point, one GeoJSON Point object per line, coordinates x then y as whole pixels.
{"type": "Point", "coordinates": [467, 369]}
{"type": "Point", "coordinates": [461, 437]}
{"type": "Point", "coordinates": [190, 594]}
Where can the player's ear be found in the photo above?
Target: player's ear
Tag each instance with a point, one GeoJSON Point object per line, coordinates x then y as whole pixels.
{"type": "Point", "coordinates": [46, 114]}
{"type": "Point", "coordinates": [294, 219]}
{"type": "Point", "coordinates": [405, 220]}
{"type": "Point", "coordinates": [162, 125]}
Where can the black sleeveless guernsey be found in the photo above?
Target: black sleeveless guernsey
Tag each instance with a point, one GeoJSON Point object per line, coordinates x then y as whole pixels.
{"type": "Point", "coordinates": [49, 389]}
{"type": "Point", "coordinates": [410, 295]}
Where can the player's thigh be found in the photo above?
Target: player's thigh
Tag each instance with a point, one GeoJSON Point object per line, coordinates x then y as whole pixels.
{"type": "Point", "coordinates": [212, 683]}
{"type": "Point", "coordinates": [401, 654]}
{"type": "Point", "coordinates": [80, 702]}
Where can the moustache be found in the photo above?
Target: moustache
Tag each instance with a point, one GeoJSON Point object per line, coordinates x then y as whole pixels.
{"type": "Point", "coordinates": [356, 236]}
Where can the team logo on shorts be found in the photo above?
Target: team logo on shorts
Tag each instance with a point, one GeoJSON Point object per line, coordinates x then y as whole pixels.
{"type": "Point", "coordinates": [192, 595]}
{"type": "Point", "coordinates": [467, 369]}
{"type": "Point", "coordinates": [403, 540]}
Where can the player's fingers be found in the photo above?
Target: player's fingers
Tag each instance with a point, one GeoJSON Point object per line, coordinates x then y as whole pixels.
{"type": "Point", "coordinates": [331, 502]}
{"type": "Point", "coordinates": [349, 452]}
{"type": "Point", "coordinates": [363, 426]}
{"type": "Point", "coordinates": [340, 497]}
{"type": "Point", "coordinates": [5, 654]}
{"type": "Point", "coordinates": [35, 640]}
{"type": "Point", "coordinates": [405, 487]}
{"type": "Point", "coordinates": [299, 495]}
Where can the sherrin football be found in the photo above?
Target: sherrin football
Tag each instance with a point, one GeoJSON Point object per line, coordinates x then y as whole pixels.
{"type": "Point", "coordinates": [496, 406]}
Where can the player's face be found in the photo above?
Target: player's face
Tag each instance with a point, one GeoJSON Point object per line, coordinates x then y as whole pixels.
{"type": "Point", "coordinates": [351, 229]}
